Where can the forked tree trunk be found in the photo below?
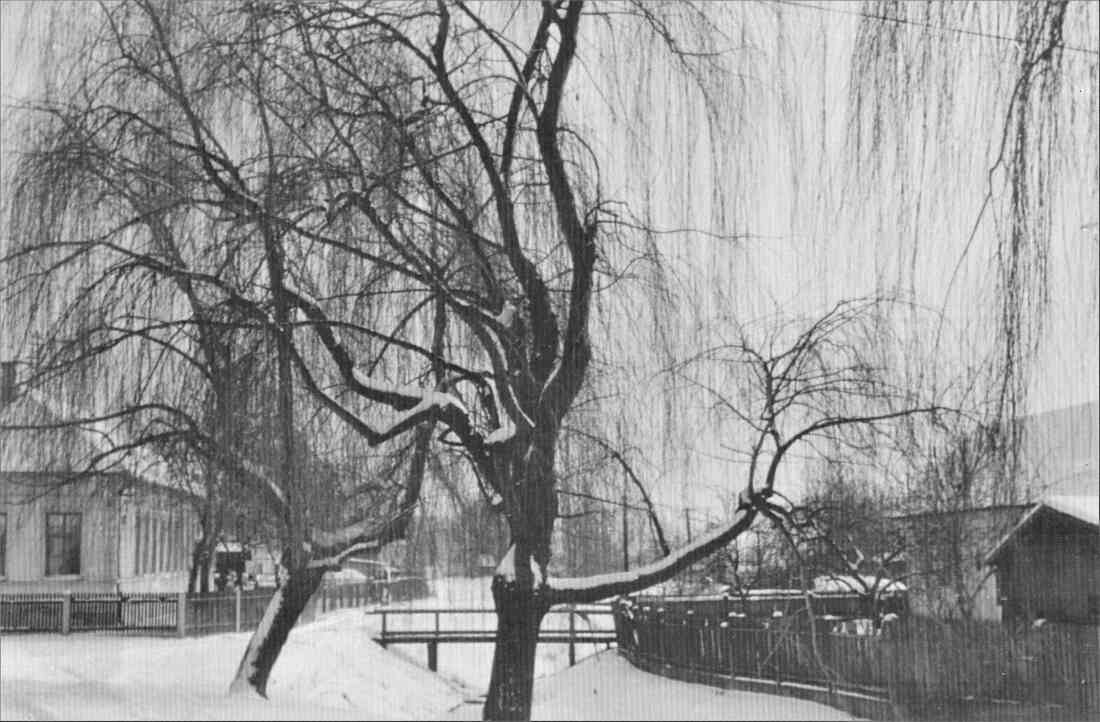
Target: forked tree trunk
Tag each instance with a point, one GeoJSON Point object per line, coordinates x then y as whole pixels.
{"type": "Point", "coordinates": [268, 639]}
{"type": "Point", "coordinates": [511, 685]}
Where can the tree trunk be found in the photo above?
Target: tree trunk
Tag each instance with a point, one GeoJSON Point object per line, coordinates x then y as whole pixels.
{"type": "Point", "coordinates": [519, 615]}
{"type": "Point", "coordinates": [196, 567]}
{"type": "Point", "coordinates": [268, 639]}
{"type": "Point", "coordinates": [202, 556]}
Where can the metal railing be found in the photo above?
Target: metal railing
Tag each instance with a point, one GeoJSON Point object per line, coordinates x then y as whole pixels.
{"type": "Point", "coordinates": [452, 625]}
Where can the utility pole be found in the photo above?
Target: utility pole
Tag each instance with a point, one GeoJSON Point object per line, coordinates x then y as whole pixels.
{"type": "Point", "coordinates": [626, 551]}
{"type": "Point", "coordinates": [626, 529]}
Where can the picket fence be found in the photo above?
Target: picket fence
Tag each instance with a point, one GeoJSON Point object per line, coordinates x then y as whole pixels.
{"type": "Point", "coordinates": [183, 614]}
{"type": "Point", "coordinates": [921, 667]}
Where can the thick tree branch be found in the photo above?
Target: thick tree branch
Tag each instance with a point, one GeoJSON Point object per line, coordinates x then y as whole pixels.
{"type": "Point", "coordinates": [593, 589]}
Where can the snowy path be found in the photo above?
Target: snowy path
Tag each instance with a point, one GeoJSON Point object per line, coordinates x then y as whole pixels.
{"type": "Point", "coordinates": [607, 687]}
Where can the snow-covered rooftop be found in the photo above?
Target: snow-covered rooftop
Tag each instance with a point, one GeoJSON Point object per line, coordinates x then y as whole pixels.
{"type": "Point", "coordinates": [852, 583]}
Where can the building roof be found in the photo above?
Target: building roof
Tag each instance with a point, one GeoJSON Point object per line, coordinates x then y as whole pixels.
{"type": "Point", "coordinates": [1083, 508]}
{"type": "Point", "coordinates": [1080, 506]}
{"type": "Point", "coordinates": [66, 448]}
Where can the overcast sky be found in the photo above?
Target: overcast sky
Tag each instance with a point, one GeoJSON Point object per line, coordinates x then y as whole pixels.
{"type": "Point", "coordinates": [808, 247]}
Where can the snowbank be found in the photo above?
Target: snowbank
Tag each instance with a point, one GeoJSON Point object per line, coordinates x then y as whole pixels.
{"type": "Point", "coordinates": [328, 670]}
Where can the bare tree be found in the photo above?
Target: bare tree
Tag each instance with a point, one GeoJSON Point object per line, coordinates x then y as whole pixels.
{"type": "Point", "coordinates": [968, 487]}
{"type": "Point", "coordinates": [819, 383]}
{"type": "Point", "coordinates": [128, 270]}
{"type": "Point", "coordinates": [396, 197]}
{"type": "Point", "coordinates": [849, 538]}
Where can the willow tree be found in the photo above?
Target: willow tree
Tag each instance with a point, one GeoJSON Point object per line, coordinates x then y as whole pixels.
{"type": "Point", "coordinates": [419, 212]}
{"type": "Point", "coordinates": [141, 314]}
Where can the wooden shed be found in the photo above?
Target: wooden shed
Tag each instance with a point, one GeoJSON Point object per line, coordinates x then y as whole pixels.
{"type": "Point", "coordinates": [1048, 565]}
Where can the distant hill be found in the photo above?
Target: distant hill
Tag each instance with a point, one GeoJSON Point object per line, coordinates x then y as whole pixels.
{"type": "Point", "coordinates": [1061, 450]}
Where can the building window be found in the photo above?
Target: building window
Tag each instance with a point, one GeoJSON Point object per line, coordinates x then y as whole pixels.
{"type": "Point", "coordinates": [62, 544]}
{"type": "Point", "coordinates": [162, 560]}
{"type": "Point", "coordinates": [177, 537]}
{"type": "Point", "coordinates": [139, 529]}
{"type": "Point", "coordinates": [154, 530]}
{"type": "Point", "coordinates": [3, 545]}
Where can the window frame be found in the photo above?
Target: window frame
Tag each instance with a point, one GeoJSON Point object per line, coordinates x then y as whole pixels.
{"type": "Point", "coordinates": [3, 545]}
{"type": "Point", "coordinates": [65, 537]}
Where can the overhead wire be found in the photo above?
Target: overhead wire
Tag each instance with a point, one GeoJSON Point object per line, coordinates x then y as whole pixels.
{"type": "Point", "coordinates": [929, 26]}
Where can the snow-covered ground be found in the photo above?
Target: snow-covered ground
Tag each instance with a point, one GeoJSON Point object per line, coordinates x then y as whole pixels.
{"type": "Point", "coordinates": [330, 669]}
{"type": "Point", "coordinates": [607, 687]}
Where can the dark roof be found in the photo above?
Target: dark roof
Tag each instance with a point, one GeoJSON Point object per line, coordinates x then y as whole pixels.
{"type": "Point", "coordinates": [1084, 510]}
{"type": "Point", "coordinates": [1008, 509]}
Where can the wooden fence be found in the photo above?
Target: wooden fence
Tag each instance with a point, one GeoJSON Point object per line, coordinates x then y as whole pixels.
{"type": "Point", "coordinates": [87, 612]}
{"type": "Point", "coordinates": [788, 602]}
{"type": "Point", "coordinates": [1056, 665]}
{"type": "Point", "coordinates": [924, 668]}
{"type": "Point", "coordinates": [357, 594]}
{"type": "Point", "coordinates": [179, 613]}
{"type": "Point", "coordinates": [235, 611]}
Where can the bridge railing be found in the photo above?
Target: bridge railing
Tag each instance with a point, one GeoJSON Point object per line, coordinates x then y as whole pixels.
{"type": "Point", "coordinates": [399, 625]}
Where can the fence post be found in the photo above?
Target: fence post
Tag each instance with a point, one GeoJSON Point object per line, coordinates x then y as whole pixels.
{"type": "Point", "coordinates": [572, 639]}
{"type": "Point", "coordinates": [181, 614]}
{"type": "Point", "coordinates": [774, 640]}
{"type": "Point", "coordinates": [237, 608]}
{"type": "Point", "coordinates": [66, 612]}
{"type": "Point", "coordinates": [383, 640]}
{"type": "Point", "coordinates": [433, 655]}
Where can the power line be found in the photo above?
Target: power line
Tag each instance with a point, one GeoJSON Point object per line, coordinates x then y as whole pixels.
{"type": "Point", "coordinates": [582, 495]}
{"type": "Point", "coordinates": [930, 26]}
{"type": "Point", "coordinates": [708, 518]}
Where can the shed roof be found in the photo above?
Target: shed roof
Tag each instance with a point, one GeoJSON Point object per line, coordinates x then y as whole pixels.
{"type": "Point", "coordinates": [1082, 508]}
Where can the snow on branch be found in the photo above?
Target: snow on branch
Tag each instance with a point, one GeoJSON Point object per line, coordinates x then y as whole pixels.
{"type": "Point", "coordinates": [506, 570]}
{"type": "Point", "coordinates": [260, 473]}
{"type": "Point", "coordinates": [331, 548]}
{"type": "Point", "coordinates": [579, 590]}
{"type": "Point", "coordinates": [414, 404]}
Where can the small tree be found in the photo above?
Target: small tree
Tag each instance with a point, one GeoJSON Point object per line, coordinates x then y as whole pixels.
{"type": "Point", "coordinates": [967, 477]}
{"type": "Point", "coordinates": [849, 538]}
